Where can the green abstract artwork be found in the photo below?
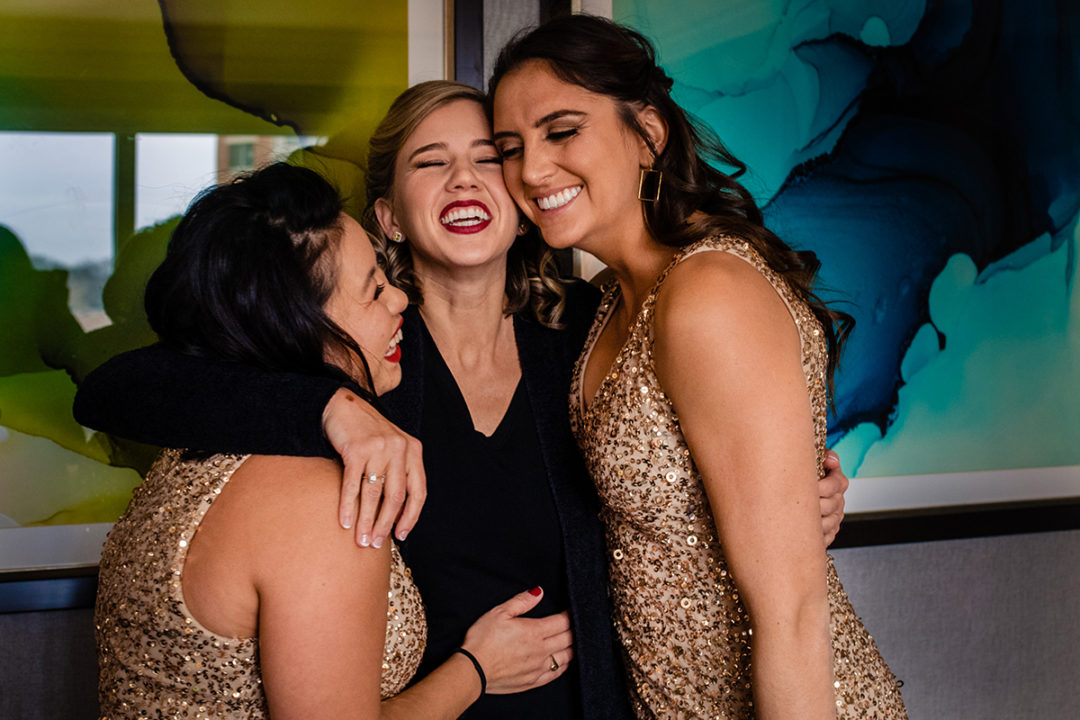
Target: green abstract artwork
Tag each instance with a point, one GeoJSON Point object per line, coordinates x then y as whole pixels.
{"type": "Point", "coordinates": [113, 115]}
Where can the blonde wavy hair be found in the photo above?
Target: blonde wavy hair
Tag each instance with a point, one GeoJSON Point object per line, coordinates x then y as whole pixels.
{"type": "Point", "coordinates": [532, 276]}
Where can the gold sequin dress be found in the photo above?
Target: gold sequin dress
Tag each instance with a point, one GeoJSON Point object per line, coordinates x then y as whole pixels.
{"type": "Point", "coordinates": [684, 631]}
{"type": "Point", "coordinates": [156, 660]}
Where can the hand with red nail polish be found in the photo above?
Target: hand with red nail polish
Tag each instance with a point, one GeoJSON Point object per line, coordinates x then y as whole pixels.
{"type": "Point", "coordinates": [519, 653]}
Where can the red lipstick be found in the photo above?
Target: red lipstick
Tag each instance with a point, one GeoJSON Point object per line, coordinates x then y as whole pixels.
{"type": "Point", "coordinates": [465, 217]}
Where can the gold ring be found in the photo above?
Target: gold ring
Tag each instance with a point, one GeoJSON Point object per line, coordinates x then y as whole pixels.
{"type": "Point", "coordinates": [554, 664]}
{"type": "Point", "coordinates": [372, 478]}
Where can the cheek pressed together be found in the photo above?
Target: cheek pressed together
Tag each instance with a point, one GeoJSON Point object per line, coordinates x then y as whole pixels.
{"type": "Point", "coordinates": [448, 197]}
{"type": "Point", "coordinates": [569, 160]}
{"type": "Point", "coordinates": [367, 307]}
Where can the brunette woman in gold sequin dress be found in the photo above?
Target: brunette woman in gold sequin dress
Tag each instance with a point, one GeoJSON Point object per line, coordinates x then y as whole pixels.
{"type": "Point", "coordinates": [226, 589]}
{"type": "Point", "coordinates": [700, 397]}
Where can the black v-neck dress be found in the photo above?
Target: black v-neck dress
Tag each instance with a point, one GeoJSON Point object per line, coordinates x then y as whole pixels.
{"type": "Point", "coordinates": [485, 533]}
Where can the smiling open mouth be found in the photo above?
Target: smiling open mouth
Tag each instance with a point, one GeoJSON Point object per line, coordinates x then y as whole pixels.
{"type": "Point", "coordinates": [393, 351]}
{"type": "Point", "coordinates": [465, 217]}
{"type": "Point", "coordinates": [557, 200]}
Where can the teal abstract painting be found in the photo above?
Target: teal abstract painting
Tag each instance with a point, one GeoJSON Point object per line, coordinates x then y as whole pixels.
{"type": "Point", "coordinates": [929, 153]}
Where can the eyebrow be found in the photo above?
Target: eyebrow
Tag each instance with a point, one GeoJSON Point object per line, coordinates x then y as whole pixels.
{"type": "Point", "coordinates": [556, 116]}
{"type": "Point", "coordinates": [550, 117]}
{"type": "Point", "coordinates": [481, 142]}
{"type": "Point", "coordinates": [425, 148]}
{"type": "Point", "coordinates": [369, 279]}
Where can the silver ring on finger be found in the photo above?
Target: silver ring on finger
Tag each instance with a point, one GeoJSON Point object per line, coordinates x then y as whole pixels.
{"type": "Point", "coordinates": [554, 664]}
{"type": "Point", "coordinates": [372, 478]}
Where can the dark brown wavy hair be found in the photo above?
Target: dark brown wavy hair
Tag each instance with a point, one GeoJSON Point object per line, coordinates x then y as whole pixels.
{"type": "Point", "coordinates": [697, 200]}
{"type": "Point", "coordinates": [532, 278]}
{"type": "Point", "coordinates": [248, 273]}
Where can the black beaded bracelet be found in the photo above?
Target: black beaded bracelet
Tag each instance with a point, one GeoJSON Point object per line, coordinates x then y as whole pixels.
{"type": "Point", "coordinates": [476, 664]}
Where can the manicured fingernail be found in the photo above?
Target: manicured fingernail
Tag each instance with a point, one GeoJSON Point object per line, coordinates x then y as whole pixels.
{"type": "Point", "coordinates": [364, 541]}
{"type": "Point", "coordinates": [346, 523]}
{"type": "Point", "coordinates": [377, 542]}
{"type": "Point", "coordinates": [402, 534]}
{"type": "Point", "coordinates": [535, 592]}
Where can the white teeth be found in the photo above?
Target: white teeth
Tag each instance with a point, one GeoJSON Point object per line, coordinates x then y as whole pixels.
{"type": "Point", "coordinates": [465, 216]}
{"type": "Point", "coordinates": [558, 199]}
{"type": "Point", "coordinates": [394, 342]}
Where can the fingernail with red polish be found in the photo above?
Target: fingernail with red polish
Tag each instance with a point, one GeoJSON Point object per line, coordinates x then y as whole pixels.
{"type": "Point", "coordinates": [535, 592]}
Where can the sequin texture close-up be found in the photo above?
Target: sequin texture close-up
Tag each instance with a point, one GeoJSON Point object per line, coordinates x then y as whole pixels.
{"type": "Point", "coordinates": [155, 659]}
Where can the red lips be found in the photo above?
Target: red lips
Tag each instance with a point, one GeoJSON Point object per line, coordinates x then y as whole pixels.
{"type": "Point", "coordinates": [465, 217]}
{"type": "Point", "coordinates": [395, 355]}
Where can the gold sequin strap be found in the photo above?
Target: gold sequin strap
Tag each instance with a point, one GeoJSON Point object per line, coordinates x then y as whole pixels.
{"type": "Point", "coordinates": [740, 249]}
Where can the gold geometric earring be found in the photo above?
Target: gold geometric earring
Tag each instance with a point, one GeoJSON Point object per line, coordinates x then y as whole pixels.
{"type": "Point", "coordinates": [522, 228]}
{"type": "Point", "coordinates": [397, 237]}
{"type": "Point", "coordinates": [649, 185]}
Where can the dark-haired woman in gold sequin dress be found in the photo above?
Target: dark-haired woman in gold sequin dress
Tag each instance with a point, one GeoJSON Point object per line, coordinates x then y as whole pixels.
{"type": "Point", "coordinates": [227, 590]}
{"type": "Point", "coordinates": [700, 398]}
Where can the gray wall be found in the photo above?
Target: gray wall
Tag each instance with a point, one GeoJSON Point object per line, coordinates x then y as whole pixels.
{"type": "Point", "coordinates": [47, 666]}
{"type": "Point", "coordinates": [980, 629]}
{"type": "Point", "coordinates": [977, 629]}
{"type": "Point", "coordinates": [501, 22]}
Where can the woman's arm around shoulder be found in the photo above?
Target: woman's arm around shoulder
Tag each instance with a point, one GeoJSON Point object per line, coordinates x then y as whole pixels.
{"type": "Point", "coordinates": [159, 396]}
{"type": "Point", "coordinates": [728, 355]}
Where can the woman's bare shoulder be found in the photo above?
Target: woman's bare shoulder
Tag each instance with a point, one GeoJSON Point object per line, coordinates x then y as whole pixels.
{"type": "Point", "coordinates": [289, 480]}
{"type": "Point", "coordinates": [719, 289]}
{"type": "Point", "coordinates": [276, 499]}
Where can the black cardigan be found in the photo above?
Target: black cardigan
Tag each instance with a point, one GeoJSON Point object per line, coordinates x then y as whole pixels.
{"type": "Point", "coordinates": [157, 396]}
